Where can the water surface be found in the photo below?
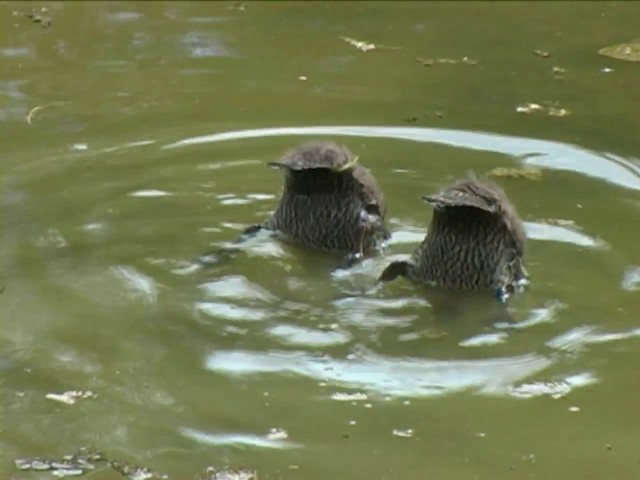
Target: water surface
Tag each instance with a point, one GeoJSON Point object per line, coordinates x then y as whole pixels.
{"type": "Point", "coordinates": [148, 149]}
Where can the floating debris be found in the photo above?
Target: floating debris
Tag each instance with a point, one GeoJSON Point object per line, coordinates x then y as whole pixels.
{"type": "Point", "coordinates": [36, 16]}
{"type": "Point", "coordinates": [415, 118]}
{"type": "Point", "coordinates": [542, 53]}
{"type": "Point", "coordinates": [407, 433]}
{"type": "Point", "coordinates": [71, 396]}
{"type": "Point", "coordinates": [528, 173]}
{"type": "Point", "coordinates": [241, 6]}
{"type": "Point", "coordinates": [277, 434]}
{"type": "Point", "coordinates": [559, 72]}
{"type": "Point", "coordinates": [558, 112]}
{"type": "Point", "coordinates": [39, 108]}
{"type": "Point", "coordinates": [366, 46]}
{"type": "Point", "coordinates": [560, 222]}
{"type": "Point", "coordinates": [77, 464]}
{"type": "Point", "coordinates": [607, 70]}
{"type": "Point", "coordinates": [529, 108]}
{"type": "Point", "coordinates": [348, 397]}
{"type": "Point", "coordinates": [629, 52]}
{"type": "Point", "coordinates": [134, 472]}
{"type": "Point", "coordinates": [214, 473]}
{"type": "Point", "coordinates": [550, 109]}
{"type": "Point", "coordinates": [429, 62]}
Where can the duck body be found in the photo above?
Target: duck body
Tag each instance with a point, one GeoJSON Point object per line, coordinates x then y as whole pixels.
{"type": "Point", "coordinates": [328, 202]}
{"type": "Point", "coordinates": [475, 242]}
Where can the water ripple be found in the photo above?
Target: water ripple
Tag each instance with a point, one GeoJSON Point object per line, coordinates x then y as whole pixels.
{"type": "Point", "coordinates": [137, 282]}
{"type": "Point", "coordinates": [555, 389]}
{"type": "Point", "coordinates": [541, 153]}
{"type": "Point", "coordinates": [534, 230]}
{"type": "Point", "coordinates": [631, 279]}
{"type": "Point", "coordinates": [407, 377]}
{"type": "Point", "coordinates": [237, 287]}
{"type": "Point", "coordinates": [236, 439]}
{"type": "Point", "coordinates": [577, 338]}
{"type": "Point", "coordinates": [226, 311]}
{"type": "Point", "coordinates": [295, 335]}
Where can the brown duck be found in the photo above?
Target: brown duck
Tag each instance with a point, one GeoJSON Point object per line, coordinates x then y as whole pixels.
{"type": "Point", "coordinates": [475, 241]}
{"type": "Point", "coordinates": [329, 202]}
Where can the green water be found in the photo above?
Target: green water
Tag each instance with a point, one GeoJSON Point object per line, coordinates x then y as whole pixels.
{"type": "Point", "coordinates": [157, 119]}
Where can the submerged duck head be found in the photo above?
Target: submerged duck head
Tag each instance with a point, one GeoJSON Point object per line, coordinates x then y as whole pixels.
{"type": "Point", "coordinates": [329, 201]}
{"type": "Point", "coordinates": [475, 241]}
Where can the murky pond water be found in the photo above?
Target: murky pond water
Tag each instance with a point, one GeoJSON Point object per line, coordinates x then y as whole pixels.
{"type": "Point", "coordinates": [134, 139]}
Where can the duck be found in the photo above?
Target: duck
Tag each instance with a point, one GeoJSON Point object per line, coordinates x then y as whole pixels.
{"type": "Point", "coordinates": [475, 241]}
{"type": "Point", "coordinates": [329, 202]}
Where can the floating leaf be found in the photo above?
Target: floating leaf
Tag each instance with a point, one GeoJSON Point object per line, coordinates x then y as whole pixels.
{"type": "Point", "coordinates": [527, 173]}
{"type": "Point", "coordinates": [629, 52]}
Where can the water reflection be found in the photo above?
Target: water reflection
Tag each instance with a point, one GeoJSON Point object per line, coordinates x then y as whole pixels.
{"type": "Point", "coordinates": [236, 439]}
{"type": "Point", "coordinates": [534, 230]}
{"type": "Point", "coordinates": [541, 153]}
{"type": "Point", "coordinates": [204, 44]}
{"type": "Point", "coordinates": [631, 278]}
{"type": "Point", "coordinates": [578, 338]}
{"type": "Point", "coordinates": [401, 377]}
